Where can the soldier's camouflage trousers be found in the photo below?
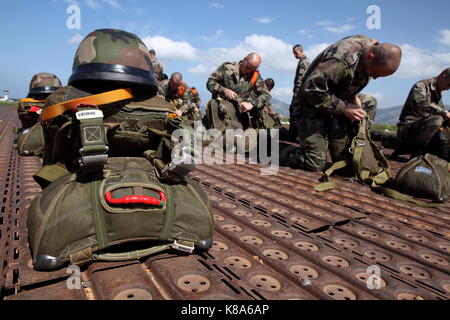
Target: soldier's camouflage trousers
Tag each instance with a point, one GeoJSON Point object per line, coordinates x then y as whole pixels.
{"type": "Point", "coordinates": [425, 136]}
{"type": "Point", "coordinates": [318, 133]}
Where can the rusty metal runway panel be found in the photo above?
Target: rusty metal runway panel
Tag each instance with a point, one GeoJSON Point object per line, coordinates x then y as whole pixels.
{"type": "Point", "coordinates": [275, 239]}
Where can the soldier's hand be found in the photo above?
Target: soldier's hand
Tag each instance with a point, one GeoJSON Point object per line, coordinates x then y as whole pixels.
{"type": "Point", "coordinates": [196, 109]}
{"type": "Point", "coordinates": [358, 101]}
{"type": "Point", "coordinates": [246, 106]}
{"type": "Point", "coordinates": [354, 114]}
{"type": "Point", "coordinates": [230, 94]}
{"type": "Point", "coordinates": [179, 113]}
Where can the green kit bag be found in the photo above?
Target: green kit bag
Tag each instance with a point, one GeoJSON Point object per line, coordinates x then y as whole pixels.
{"type": "Point", "coordinates": [424, 177]}
{"type": "Point", "coordinates": [30, 142]}
{"type": "Point", "coordinates": [124, 213]}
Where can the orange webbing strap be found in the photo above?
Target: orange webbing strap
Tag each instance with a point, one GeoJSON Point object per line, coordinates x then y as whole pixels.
{"type": "Point", "coordinates": [254, 78]}
{"type": "Point", "coordinates": [97, 99]}
{"type": "Point", "coordinates": [30, 100]}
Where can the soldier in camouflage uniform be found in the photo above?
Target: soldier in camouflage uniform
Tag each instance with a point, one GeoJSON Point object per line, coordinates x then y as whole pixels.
{"type": "Point", "coordinates": [194, 112]}
{"type": "Point", "coordinates": [158, 67]}
{"type": "Point", "coordinates": [267, 117]}
{"type": "Point", "coordinates": [176, 91]}
{"type": "Point", "coordinates": [41, 86]}
{"type": "Point", "coordinates": [302, 66]}
{"type": "Point", "coordinates": [241, 84]}
{"type": "Point", "coordinates": [328, 99]}
{"type": "Point", "coordinates": [423, 125]}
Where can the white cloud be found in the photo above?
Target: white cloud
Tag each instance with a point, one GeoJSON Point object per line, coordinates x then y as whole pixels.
{"type": "Point", "coordinates": [264, 20]}
{"type": "Point", "coordinates": [282, 93]}
{"type": "Point", "coordinates": [324, 23]}
{"type": "Point", "coordinates": [304, 31]}
{"type": "Point", "coordinates": [312, 51]}
{"type": "Point", "coordinates": [92, 4]}
{"type": "Point", "coordinates": [75, 39]}
{"type": "Point", "coordinates": [340, 30]}
{"type": "Point", "coordinates": [216, 5]}
{"type": "Point", "coordinates": [201, 69]}
{"type": "Point", "coordinates": [72, 2]}
{"type": "Point", "coordinates": [171, 50]}
{"type": "Point", "coordinates": [444, 37]}
{"type": "Point", "coordinates": [217, 35]}
{"type": "Point", "coordinates": [421, 63]}
{"type": "Point", "coordinates": [114, 3]}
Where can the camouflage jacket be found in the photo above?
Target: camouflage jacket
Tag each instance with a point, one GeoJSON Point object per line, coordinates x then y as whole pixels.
{"type": "Point", "coordinates": [158, 68]}
{"type": "Point", "coordinates": [195, 97]}
{"type": "Point", "coordinates": [227, 77]}
{"type": "Point", "coordinates": [180, 97]}
{"type": "Point", "coordinates": [424, 100]}
{"type": "Point", "coordinates": [334, 77]}
{"type": "Point", "coordinates": [302, 67]}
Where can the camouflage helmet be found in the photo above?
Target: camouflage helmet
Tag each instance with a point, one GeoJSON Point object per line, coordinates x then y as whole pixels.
{"type": "Point", "coordinates": [115, 57]}
{"type": "Point", "coordinates": [43, 84]}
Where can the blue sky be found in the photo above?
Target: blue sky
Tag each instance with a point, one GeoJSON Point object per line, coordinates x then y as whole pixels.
{"type": "Point", "coordinates": [195, 37]}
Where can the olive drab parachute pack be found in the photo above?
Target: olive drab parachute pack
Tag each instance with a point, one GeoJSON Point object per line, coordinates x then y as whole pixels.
{"type": "Point", "coordinates": [365, 158]}
{"type": "Point", "coordinates": [126, 213]}
{"type": "Point", "coordinates": [114, 179]}
{"type": "Point", "coordinates": [424, 177]}
{"type": "Point", "coordinates": [30, 142]}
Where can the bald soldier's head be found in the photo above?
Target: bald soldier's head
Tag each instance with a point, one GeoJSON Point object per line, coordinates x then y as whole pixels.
{"type": "Point", "coordinates": [443, 80]}
{"type": "Point", "coordinates": [175, 80]}
{"type": "Point", "coordinates": [382, 60]}
{"type": "Point", "coordinates": [250, 63]}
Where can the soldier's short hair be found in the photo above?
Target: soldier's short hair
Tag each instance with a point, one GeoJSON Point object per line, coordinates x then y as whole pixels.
{"type": "Point", "coordinates": [164, 77]}
{"type": "Point", "coordinates": [152, 51]}
{"type": "Point", "coordinates": [175, 75]}
{"type": "Point", "coordinates": [297, 46]}
{"type": "Point", "coordinates": [270, 83]}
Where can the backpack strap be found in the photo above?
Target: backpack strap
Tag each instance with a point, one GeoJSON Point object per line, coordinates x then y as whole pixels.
{"type": "Point", "coordinates": [97, 99]}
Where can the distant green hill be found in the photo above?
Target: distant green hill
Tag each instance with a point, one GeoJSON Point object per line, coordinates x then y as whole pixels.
{"type": "Point", "coordinates": [391, 115]}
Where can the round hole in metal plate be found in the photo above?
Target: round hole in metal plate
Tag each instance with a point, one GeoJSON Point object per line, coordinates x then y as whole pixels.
{"type": "Point", "coordinates": [242, 213]}
{"type": "Point", "coordinates": [415, 272]}
{"type": "Point", "coordinates": [238, 262]}
{"type": "Point", "coordinates": [377, 255]}
{"type": "Point", "coordinates": [231, 227]}
{"type": "Point", "coordinates": [252, 240]}
{"type": "Point", "coordinates": [438, 260]}
{"type": "Point", "coordinates": [261, 223]}
{"type": "Point", "coordinates": [338, 292]}
{"type": "Point", "coordinates": [307, 246]}
{"type": "Point", "coordinates": [219, 246]}
{"type": "Point", "coordinates": [265, 282]}
{"type": "Point", "coordinates": [275, 254]}
{"type": "Point", "coordinates": [363, 277]}
{"type": "Point", "coordinates": [134, 294]}
{"type": "Point", "coordinates": [282, 234]}
{"type": "Point", "coordinates": [304, 272]}
{"type": "Point", "coordinates": [193, 283]}
{"type": "Point", "coordinates": [336, 261]}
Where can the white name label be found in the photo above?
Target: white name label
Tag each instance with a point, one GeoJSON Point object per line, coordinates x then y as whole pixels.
{"type": "Point", "coordinates": [89, 114]}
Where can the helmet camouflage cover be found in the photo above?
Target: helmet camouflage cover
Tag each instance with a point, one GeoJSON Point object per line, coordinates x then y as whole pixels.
{"type": "Point", "coordinates": [114, 56]}
{"type": "Point", "coordinates": [43, 84]}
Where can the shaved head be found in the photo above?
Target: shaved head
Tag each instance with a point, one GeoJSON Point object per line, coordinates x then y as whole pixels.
{"type": "Point", "coordinates": [443, 80]}
{"type": "Point", "coordinates": [250, 63]}
{"type": "Point", "coordinates": [382, 60]}
{"type": "Point", "coordinates": [175, 79]}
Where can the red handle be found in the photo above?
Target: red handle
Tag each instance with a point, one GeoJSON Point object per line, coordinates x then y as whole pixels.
{"type": "Point", "coordinates": [137, 199]}
{"type": "Point", "coordinates": [34, 109]}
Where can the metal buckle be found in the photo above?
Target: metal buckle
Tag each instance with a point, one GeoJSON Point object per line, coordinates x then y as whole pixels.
{"type": "Point", "coordinates": [360, 143]}
{"type": "Point", "coordinates": [93, 160]}
{"type": "Point", "coordinates": [183, 247]}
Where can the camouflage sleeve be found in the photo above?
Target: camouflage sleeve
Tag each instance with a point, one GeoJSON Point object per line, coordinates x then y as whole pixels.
{"type": "Point", "coordinates": [162, 92]}
{"type": "Point", "coordinates": [423, 101]}
{"type": "Point", "coordinates": [301, 71]}
{"type": "Point", "coordinates": [213, 85]}
{"type": "Point", "coordinates": [261, 97]}
{"type": "Point", "coordinates": [184, 102]}
{"type": "Point", "coordinates": [317, 89]}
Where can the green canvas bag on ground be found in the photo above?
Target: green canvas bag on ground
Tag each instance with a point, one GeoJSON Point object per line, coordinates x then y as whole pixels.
{"type": "Point", "coordinates": [30, 142]}
{"type": "Point", "coordinates": [424, 177]}
{"type": "Point", "coordinates": [126, 213]}
{"type": "Point", "coordinates": [368, 163]}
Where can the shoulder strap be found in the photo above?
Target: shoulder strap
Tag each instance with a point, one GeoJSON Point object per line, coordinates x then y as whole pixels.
{"type": "Point", "coordinates": [97, 99]}
{"type": "Point", "coordinates": [254, 78]}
